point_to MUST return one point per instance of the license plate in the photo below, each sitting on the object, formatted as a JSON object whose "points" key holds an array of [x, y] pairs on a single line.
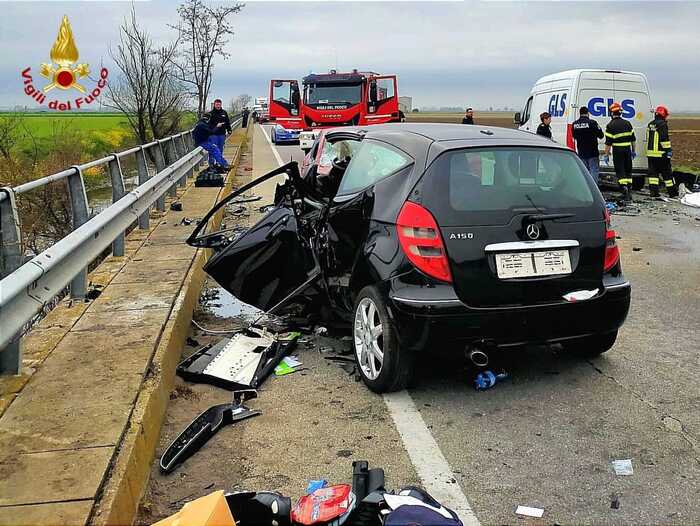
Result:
{"points": [[530, 264]]}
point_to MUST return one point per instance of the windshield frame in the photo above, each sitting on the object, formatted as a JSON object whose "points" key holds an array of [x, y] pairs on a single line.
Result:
{"points": [[316, 86]]}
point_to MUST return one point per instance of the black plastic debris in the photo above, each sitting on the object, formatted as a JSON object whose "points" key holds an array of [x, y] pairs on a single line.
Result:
{"points": [[206, 426], [176, 206], [243, 361], [209, 178]]}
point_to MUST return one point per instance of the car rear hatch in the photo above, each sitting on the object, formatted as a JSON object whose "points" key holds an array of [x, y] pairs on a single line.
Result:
{"points": [[521, 226]]}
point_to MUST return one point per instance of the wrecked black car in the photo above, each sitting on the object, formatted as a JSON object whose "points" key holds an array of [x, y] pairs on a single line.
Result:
{"points": [[491, 237]]}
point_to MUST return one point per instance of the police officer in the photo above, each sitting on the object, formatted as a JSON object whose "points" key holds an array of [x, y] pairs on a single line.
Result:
{"points": [[586, 133], [220, 124], [544, 128], [659, 154], [619, 136]]}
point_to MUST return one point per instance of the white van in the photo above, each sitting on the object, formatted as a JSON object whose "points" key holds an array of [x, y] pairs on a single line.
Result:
{"points": [[562, 94]]}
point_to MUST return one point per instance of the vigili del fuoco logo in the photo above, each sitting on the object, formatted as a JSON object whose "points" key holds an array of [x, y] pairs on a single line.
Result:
{"points": [[64, 74]]}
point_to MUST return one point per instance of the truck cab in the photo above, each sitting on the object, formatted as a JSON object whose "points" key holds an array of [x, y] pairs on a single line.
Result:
{"points": [[562, 94], [329, 99]]}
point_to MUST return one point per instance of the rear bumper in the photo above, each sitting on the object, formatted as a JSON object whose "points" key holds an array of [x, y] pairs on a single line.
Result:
{"points": [[423, 313]]}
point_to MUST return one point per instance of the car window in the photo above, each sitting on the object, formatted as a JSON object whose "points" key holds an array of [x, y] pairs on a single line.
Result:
{"points": [[478, 184], [371, 162], [337, 150]]}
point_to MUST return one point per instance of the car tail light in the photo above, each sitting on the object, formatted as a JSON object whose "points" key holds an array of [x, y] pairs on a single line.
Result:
{"points": [[421, 241], [612, 251], [570, 137]]}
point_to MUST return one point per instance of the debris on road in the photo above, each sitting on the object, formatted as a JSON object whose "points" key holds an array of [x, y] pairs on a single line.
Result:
{"points": [[528, 511], [623, 467], [364, 502], [176, 206], [209, 178], [316, 484], [320, 331], [691, 200], [288, 365], [334, 503], [615, 502], [204, 427], [487, 379], [244, 360]]}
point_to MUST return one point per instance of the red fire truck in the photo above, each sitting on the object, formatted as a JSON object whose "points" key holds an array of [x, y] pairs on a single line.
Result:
{"points": [[331, 99]]}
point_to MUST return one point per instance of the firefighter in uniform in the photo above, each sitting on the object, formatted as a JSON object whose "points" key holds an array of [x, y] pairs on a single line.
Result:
{"points": [[619, 136], [659, 154]]}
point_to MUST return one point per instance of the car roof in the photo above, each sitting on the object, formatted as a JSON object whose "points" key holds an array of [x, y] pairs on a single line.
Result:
{"points": [[417, 138], [443, 132]]}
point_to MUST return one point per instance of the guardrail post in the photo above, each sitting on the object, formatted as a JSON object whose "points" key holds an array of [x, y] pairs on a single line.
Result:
{"points": [[182, 151], [79, 207], [142, 167], [170, 158], [160, 166], [10, 260], [118, 191]]}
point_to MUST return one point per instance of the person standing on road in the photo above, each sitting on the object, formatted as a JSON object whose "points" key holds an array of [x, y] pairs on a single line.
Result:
{"points": [[468, 116], [543, 129], [586, 133], [619, 136], [202, 135], [244, 117], [219, 116], [659, 154]]}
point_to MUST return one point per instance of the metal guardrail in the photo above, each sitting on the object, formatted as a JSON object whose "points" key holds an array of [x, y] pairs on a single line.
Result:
{"points": [[25, 289]]}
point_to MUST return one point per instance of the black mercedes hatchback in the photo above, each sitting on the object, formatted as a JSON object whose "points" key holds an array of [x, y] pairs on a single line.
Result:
{"points": [[491, 237]]}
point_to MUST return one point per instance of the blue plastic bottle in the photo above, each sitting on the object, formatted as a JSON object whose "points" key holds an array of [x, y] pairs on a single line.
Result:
{"points": [[487, 379]]}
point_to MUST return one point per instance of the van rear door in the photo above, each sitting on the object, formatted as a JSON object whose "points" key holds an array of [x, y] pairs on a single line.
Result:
{"points": [[599, 89]]}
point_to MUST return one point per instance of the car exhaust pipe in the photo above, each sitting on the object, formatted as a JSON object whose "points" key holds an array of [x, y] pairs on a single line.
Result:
{"points": [[478, 357]]}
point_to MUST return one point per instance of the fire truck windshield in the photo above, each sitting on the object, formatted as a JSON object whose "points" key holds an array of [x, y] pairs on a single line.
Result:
{"points": [[319, 94]]}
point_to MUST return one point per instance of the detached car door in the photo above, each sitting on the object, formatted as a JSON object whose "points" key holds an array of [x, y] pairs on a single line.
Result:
{"points": [[271, 262]]}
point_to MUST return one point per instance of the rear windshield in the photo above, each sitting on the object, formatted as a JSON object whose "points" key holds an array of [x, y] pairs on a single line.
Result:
{"points": [[490, 186]]}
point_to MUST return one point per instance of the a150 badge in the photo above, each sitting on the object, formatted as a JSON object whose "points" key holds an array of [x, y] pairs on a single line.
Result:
{"points": [[64, 73]]}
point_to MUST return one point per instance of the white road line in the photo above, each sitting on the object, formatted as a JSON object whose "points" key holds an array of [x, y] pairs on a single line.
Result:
{"points": [[431, 465], [272, 146], [424, 452]]}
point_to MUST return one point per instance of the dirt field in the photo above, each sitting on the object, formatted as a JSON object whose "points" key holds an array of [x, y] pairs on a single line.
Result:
{"points": [[685, 132]]}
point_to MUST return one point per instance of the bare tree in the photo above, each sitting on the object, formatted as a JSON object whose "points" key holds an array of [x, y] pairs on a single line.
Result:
{"points": [[146, 92], [203, 33], [240, 102]]}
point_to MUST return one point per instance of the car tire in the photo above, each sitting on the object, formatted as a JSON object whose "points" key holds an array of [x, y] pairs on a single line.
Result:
{"points": [[393, 372], [592, 346]]}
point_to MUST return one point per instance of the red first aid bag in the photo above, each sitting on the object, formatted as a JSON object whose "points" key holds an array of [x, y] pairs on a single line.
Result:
{"points": [[331, 505]]}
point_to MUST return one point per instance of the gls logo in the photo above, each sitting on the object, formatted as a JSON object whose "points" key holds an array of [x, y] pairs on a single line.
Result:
{"points": [[598, 107], [557, 105]]}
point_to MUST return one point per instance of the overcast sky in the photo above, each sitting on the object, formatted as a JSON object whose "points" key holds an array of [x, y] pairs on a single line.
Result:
{"points": [[476, 53]]}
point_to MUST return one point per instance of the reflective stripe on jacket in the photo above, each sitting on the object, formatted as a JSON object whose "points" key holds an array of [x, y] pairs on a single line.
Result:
{"points": [[658, 140], [619, 133]]}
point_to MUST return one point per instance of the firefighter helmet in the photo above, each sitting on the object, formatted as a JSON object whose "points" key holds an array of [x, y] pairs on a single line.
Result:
{"points": [[615, 108], [661, 111]]}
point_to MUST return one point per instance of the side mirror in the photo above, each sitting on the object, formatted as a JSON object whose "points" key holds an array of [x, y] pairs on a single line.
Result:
{"points": [[516, 118]]}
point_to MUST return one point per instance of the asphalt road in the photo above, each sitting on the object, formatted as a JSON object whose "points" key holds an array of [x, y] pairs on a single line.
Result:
{"points": [[544, 438]]}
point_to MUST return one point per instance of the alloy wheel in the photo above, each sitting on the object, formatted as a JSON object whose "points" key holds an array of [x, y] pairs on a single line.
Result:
{"points": [[367, 337]]}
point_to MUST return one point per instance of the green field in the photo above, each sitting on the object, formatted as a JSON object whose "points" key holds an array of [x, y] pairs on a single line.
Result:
{"points": [[42, 124]]}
